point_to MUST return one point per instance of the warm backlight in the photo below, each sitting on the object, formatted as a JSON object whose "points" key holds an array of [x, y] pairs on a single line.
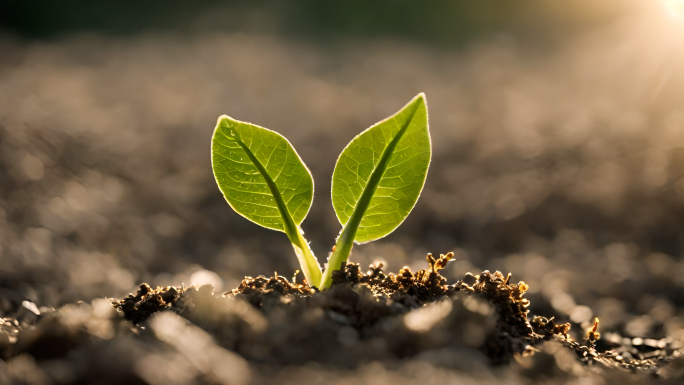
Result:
{"points": [[676, 7]]}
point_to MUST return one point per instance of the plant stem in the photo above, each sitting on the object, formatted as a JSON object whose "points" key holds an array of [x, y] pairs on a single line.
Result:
{"points": [[307, 260], [341, 252]]}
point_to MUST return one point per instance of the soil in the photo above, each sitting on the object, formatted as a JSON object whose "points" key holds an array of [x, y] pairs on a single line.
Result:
{"points": [[272, 324], [373, 304]]}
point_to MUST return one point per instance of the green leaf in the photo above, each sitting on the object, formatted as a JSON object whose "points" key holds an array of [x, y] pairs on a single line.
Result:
{"points": [[382, 172], [378, 179], [245, 159], [263, 179]]}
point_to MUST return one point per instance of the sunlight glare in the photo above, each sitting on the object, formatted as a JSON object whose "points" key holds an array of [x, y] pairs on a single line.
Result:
{"points": [[675, 7]]}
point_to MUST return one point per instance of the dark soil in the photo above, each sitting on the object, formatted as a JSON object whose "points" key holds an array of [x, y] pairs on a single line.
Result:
{"points": [[373, 316], [371, 321]]}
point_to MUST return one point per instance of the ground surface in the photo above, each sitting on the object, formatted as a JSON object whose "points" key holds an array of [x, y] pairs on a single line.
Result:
{"points": [[561, 163], [273, 329]]}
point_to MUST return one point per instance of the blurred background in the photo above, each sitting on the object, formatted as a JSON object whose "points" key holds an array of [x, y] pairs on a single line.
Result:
{"points": [[558, 133]]}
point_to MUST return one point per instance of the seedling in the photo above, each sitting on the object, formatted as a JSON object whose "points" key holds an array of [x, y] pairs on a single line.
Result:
{"points": [[376, 182]]}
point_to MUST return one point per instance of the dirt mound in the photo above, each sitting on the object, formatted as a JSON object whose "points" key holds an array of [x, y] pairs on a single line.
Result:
{"points": [[405, 313]]}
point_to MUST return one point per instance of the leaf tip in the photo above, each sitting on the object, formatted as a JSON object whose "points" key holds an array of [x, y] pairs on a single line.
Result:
{"points": [[221, 118], [226, 124], [417, 101]]}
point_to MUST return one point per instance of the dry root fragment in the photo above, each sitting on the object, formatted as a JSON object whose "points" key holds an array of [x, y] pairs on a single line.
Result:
{"points": [[441, 262], [593, 335]]}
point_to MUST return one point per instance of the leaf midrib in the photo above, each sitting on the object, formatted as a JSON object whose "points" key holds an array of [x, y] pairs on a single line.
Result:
{"points": [[378, 172]]}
